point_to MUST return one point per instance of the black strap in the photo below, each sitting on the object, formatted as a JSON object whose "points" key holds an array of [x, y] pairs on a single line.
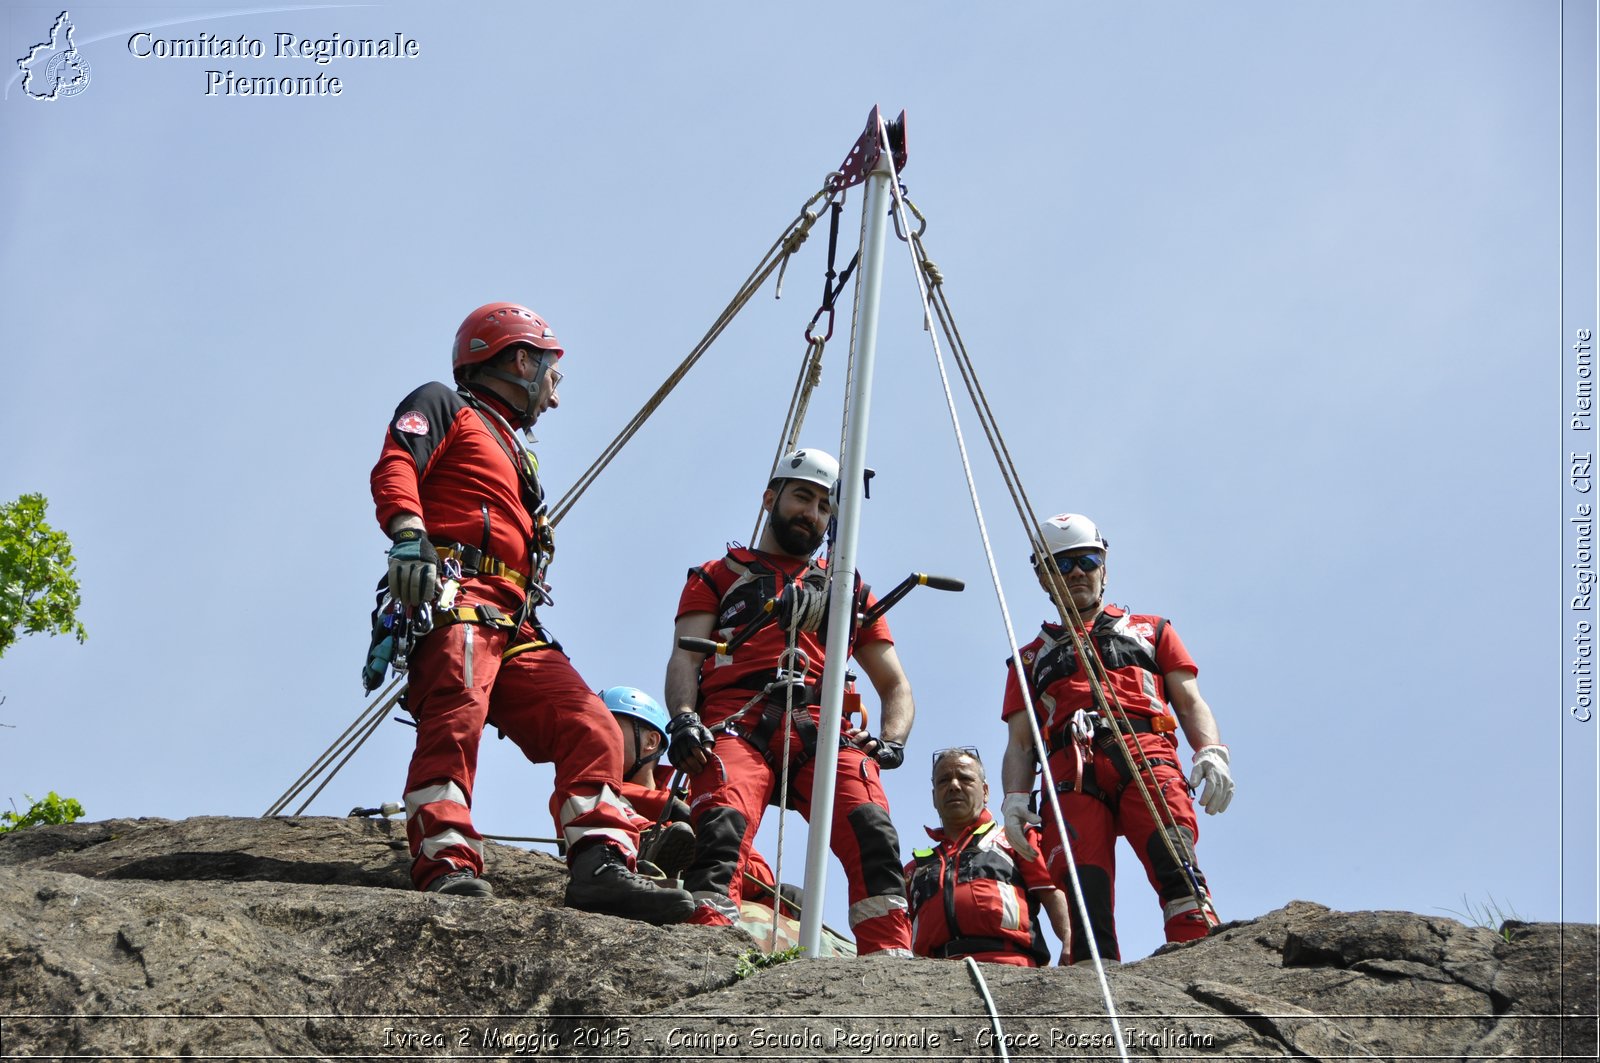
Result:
{"points": [[525, 475], [952, 867], [1139, 725], [706, 579], [765, 678], [962, 946]]}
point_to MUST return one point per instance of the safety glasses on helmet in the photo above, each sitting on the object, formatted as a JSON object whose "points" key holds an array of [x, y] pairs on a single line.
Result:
{"points": [[1088, 562]]}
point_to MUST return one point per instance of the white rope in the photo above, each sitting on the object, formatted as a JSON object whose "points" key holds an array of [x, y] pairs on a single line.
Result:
{"points": [[1011, 638], [791, 654], [988, 1003]]}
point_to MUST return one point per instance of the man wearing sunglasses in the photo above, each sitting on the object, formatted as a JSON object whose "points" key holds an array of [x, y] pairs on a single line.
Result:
{"points": [[1114, 756], [461, 500], [972, 894]]}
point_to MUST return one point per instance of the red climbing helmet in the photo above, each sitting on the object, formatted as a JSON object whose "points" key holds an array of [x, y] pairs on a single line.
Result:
{"points": [[493, 327]]}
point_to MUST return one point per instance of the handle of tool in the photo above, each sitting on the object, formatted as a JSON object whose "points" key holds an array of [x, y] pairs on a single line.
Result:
{"points": [[740, 637], [689, 642], [901, 589]]}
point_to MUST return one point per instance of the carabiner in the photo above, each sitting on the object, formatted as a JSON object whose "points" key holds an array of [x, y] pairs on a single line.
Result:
{"points": [[922, 222], [814, 319]]}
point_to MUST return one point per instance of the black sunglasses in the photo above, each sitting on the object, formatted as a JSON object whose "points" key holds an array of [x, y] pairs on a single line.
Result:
{"points": [[1087, 562]]}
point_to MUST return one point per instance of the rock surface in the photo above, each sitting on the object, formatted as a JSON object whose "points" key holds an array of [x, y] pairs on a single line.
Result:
{"points": [[239, 938]]}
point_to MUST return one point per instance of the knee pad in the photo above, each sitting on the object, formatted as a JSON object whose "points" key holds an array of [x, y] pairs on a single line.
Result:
{"points": [[719, 833], [1175, 883], [879, 846]]}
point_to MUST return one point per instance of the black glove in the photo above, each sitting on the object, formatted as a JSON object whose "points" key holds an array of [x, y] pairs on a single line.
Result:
{"points": [[413, 568], [889, 754], [801, 607], [685, 735], [677, 811]]}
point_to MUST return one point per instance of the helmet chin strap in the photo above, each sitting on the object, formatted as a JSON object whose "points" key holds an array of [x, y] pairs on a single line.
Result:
{"points": [[530, 411], [638, 743]]}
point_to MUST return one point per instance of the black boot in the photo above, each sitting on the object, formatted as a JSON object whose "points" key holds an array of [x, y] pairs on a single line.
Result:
{"points": [[669, 846], [601, 882]]}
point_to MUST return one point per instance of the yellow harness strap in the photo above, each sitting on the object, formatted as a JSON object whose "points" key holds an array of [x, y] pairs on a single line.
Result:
{"points": [[488, 566]]}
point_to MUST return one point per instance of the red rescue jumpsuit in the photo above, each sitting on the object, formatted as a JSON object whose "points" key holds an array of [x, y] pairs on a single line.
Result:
{"points": [[730, 795], [452, 466], [1100, 802]]}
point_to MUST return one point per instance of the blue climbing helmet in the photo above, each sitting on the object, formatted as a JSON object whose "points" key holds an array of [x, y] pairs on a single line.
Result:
{"points": [[643, 709], [631, 701]]}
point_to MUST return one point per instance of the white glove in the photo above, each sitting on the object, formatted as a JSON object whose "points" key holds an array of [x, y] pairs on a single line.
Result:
{"points": [[1211, 768], [1019, 817]]}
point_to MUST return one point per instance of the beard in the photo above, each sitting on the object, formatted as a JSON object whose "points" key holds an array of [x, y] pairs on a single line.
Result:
{"points": [[795, 540]]}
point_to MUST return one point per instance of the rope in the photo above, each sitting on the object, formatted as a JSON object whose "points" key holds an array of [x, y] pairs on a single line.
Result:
{"points": [[912, 245], [1103, 691], [777, 255], [358, 732], [789, 438], [519, 838], [783, 774], [1099, 681], [988, 1003]]}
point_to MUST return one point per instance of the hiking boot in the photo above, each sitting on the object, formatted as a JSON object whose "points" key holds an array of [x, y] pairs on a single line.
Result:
{"points": [[669, 846], [461, 883], [601, 882]]}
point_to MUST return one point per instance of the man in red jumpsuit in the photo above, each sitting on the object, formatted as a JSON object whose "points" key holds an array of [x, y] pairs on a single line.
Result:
{"points": [[1095, 770], [972, 894], [666, 839], [734, 773], [461, 499]]}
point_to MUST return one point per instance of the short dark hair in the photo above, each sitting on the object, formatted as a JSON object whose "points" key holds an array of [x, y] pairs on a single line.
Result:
{"points": [[502, 358]]}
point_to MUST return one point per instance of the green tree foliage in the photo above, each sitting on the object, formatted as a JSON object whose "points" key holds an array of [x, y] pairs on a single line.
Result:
{"points": [[51, 809], [38, 584]]}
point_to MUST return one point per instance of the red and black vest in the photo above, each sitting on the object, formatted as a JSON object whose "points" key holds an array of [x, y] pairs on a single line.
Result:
{"points": [[755, 581], [973, 900], [1125, 643]]}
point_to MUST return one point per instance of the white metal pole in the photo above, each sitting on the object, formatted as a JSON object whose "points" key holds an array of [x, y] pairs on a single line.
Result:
{"points": [[852, 483]]}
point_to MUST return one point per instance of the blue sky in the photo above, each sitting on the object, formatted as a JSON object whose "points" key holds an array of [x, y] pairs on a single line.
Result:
{"points": [[1273, 292]]}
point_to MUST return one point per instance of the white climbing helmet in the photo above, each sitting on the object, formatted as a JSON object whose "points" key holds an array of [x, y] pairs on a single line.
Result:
{"points": [[1070, 531], [812, 466]]}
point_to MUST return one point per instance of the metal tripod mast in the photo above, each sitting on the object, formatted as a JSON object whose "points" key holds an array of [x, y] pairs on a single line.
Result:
{"points": [[868, 156]]}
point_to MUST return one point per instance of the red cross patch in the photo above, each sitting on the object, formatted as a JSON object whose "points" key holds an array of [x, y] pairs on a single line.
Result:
{"points": [[412, 422]]}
